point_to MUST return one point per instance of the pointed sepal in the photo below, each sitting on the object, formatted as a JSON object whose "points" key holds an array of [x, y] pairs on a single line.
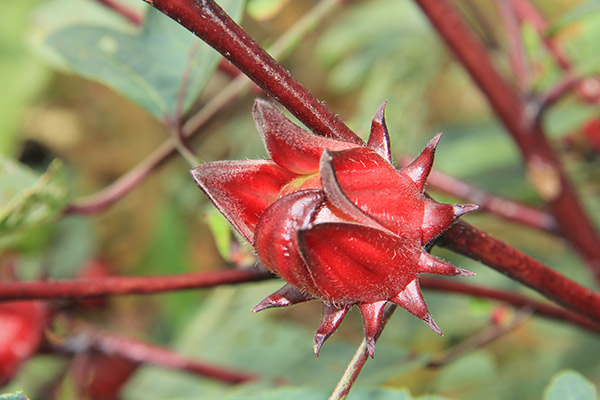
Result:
{"points": [[462, 209], [411, 299], [332, 317], [437, 217], [420, 168], [286, 296], [429, 264], [372, 314], [379, 138], [290, 146], [242, 190]]}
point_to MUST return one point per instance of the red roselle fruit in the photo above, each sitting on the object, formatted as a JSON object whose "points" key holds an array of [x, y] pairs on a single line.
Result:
{"points": [[335, 220], [22, 325]]}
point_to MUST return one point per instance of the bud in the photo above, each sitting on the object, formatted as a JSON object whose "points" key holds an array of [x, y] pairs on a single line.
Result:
{"points": [[335, 220]]}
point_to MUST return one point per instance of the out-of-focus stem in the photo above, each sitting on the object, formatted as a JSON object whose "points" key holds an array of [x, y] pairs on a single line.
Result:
{"points": [[516, 49], [500, 206], [543, 165], [124, 285], [514, 299], [90, 338]]}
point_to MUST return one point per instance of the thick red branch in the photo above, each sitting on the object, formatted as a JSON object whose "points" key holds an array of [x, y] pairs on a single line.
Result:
{"points": [[470, 241], [543, 165], [90, 288], [209, 22]]}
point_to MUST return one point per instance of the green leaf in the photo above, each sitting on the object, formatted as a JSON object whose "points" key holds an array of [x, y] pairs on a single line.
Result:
{"points": [[28, 200], [570, 385], [221, 230], [263, 10], [149, 67], [21, 76]]}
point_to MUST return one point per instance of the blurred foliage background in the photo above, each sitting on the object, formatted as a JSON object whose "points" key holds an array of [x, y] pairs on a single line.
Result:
{"points": [[85, 94]]}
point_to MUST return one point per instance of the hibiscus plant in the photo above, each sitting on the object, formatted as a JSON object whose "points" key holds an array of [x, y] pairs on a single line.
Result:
{"points": [[336, 219]]}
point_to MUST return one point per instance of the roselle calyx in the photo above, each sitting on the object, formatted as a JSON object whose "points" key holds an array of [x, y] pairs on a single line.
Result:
{"points": [[336, 220]]}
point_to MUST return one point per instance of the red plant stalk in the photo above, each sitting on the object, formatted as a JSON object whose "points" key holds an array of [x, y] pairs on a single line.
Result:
{"points": [[90, 288], [210, 23], [500, 206], [544, 167], [588, 89], [117, 286], [143, 352], [514, 299]]}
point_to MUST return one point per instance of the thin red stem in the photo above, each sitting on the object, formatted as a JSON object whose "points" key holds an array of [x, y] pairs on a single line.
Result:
{"points": [[544, 167], [526, 11], [143, 352], [516, 50], [588, 88], [514, 299], [209, 22], [470, 241], [359, 360], [92, 288], [500, 206]]}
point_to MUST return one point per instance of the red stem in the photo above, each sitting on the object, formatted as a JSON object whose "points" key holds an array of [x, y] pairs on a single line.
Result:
{"points": [[515, 300], [209, 22], [143, 352], [542, 162], [470, 241], [91, 288], [516, 49], [502, 207]]}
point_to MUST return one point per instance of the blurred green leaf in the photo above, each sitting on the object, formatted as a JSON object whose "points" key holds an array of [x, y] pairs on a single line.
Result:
{"points": [[28, 200], [221, 230], [393, 59], [578, 33], [570, 385], [150, 67], [262, 10], [21, 75]]}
